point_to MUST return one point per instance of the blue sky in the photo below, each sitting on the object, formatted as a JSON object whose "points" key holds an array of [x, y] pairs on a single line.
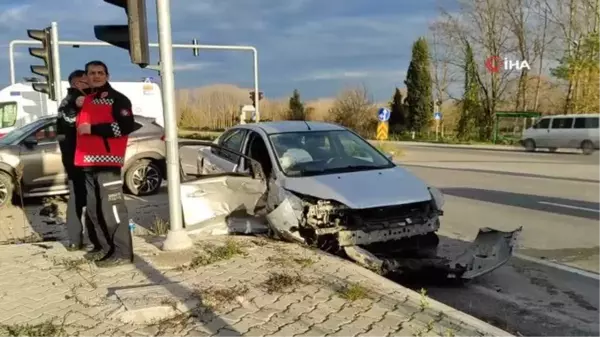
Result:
{"points": [[317, 46]]}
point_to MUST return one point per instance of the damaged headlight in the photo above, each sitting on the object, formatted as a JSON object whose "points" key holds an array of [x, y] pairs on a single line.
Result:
{"points": [[437, 196]]}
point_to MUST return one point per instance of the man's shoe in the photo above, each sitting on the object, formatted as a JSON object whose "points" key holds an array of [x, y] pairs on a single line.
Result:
{"points": [[95, 250], [72, 247], [94, 255], [112, 262]]}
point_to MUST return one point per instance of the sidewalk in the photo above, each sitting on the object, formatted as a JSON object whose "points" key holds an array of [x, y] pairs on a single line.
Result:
{"points": [[228, 286]]}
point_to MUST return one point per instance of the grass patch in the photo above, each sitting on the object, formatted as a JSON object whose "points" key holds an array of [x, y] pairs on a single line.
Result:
{"points": [[277, 282], [288, 261], [218, 296], [159, 226], [71, 264], [213, 254], [423, 300], [353, 292], [47, 328]]}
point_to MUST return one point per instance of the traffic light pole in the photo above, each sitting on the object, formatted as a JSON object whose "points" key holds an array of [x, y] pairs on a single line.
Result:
{"points": [[177, 237], [56, 63], [12, 44]]}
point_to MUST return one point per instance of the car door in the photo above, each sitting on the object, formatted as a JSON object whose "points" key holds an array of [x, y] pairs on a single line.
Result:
{"points": [[216, 160], [560, 132], [539, 132], [42, 163]]}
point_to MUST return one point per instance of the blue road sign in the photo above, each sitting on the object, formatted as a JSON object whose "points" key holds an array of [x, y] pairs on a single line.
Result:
{"points": [[437, 115], [384, 114]]}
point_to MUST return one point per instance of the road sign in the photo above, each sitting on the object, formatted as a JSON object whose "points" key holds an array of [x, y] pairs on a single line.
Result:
{"points": [[384, 115], [382, 131], [437, 115]]}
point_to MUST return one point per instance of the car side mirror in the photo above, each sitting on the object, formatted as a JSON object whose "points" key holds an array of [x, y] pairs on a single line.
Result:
{"points": [[389, 155], [30, 142]]}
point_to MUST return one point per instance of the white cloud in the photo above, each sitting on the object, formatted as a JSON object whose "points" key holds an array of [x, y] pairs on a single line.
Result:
{"points": [[327, 75], [191, 66]]}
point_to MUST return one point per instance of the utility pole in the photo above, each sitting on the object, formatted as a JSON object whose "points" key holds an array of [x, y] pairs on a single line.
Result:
{"points": [[177, 237]]}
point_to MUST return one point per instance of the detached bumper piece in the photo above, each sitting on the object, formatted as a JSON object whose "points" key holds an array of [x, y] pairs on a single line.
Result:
{"points": [[490, 250]]}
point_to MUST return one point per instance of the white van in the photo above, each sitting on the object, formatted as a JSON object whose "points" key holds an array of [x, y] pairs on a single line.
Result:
{"points": [[21, 105], [563, 131]]}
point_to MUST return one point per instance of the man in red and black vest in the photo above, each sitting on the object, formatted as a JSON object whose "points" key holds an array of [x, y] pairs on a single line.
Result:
{"points": [[103, 126]]}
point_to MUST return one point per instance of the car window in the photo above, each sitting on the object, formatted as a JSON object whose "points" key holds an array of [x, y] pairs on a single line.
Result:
{"points": [[232, 140], [562, 123], [544, 123], [46, 134], [586, 123], [8, 114], [325, 152], [257, 150]]}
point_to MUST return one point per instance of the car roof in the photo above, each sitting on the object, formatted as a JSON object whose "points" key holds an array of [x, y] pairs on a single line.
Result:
{"points": [[290, 126]]}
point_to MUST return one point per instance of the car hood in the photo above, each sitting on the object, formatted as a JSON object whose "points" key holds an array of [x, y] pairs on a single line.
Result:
{"points": [[363, 189]]}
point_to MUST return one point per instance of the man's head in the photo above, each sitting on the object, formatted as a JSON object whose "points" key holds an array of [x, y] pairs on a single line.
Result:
{"points": [[97, 73], [78, 80]]}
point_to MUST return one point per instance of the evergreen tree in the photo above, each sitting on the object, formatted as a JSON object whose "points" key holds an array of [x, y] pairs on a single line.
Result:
{"points": [[296, 111], [470, 107], [418, 85], [398, 112]]}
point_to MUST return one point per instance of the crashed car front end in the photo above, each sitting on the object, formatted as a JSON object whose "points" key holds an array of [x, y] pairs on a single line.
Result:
{"points": [[392, 239]]}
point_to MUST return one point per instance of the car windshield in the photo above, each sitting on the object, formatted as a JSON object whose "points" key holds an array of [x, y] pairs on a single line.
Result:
{"points": [[325, 152], [16, 134]]}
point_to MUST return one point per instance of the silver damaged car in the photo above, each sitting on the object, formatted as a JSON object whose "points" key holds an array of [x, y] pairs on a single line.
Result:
{"points": [[323, 185]]}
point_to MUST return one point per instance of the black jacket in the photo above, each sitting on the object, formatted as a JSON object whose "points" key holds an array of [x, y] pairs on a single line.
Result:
{"points": [[65, 126]]}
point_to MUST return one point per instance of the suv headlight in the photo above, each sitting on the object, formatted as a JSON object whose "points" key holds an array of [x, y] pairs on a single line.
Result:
{"points": [[437, 196]]}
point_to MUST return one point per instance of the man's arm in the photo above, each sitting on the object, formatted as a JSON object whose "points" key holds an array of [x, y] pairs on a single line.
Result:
{"points": [[67, 112], [123, 120]]}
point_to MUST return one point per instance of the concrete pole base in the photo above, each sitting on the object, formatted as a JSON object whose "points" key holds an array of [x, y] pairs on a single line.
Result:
{"points": [[177, 240]]}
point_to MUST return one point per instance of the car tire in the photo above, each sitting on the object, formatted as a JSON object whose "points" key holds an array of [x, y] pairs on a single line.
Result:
{"points": [[529, 145], [7, 189], [144, 177], [587, 147]]}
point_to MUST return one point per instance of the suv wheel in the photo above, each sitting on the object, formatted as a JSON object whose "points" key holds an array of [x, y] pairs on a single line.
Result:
{"points": [[6, 189], [144, 177], [529, 145], [587, 147]]}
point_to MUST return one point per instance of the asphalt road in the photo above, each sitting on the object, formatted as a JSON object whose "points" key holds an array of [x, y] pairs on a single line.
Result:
{"points": [[555, 198]]}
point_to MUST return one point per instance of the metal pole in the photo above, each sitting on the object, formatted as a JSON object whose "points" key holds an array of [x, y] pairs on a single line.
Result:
{"points": [[56, 62], [177, 237], [154, 45], [257, 100]]}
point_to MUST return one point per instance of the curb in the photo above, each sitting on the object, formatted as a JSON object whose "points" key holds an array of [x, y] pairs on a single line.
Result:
{"points": [[452, 313]]}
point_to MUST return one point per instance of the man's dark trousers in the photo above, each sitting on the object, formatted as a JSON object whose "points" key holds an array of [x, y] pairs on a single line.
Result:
{"points": [[107, 211], [75, 205]]}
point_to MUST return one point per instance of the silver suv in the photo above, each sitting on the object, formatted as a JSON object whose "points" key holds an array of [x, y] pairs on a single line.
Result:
{"points": [[30, 160]]}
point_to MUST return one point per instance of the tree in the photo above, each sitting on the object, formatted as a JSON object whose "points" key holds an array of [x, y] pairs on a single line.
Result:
{"points": [[296, 110], [397, 120], [354, 108], [418, 88], [470, 114]]}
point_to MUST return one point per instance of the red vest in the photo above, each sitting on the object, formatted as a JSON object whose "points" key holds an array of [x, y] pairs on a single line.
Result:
{"points": [[93, 150]]}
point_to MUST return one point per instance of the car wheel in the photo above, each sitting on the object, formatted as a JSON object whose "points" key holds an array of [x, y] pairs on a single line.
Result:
{"points": [[587, 147], [6, 189], [144, 177], [529, 145]]}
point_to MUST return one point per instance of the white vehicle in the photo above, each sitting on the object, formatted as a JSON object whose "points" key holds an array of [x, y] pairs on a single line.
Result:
{"points": [[563, 131], [21, 105]]}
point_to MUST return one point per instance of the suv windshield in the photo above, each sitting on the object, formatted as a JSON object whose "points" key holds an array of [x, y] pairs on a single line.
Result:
{"points": [[325, 152], [17, 134]]}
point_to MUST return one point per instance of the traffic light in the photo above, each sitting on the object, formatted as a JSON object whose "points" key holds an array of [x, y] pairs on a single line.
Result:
{"points": [[133, 36], [44, 53], [253, 97]]}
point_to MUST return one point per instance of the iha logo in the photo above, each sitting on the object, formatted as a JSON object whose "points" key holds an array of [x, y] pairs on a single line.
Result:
{"points": [[495, 63]]}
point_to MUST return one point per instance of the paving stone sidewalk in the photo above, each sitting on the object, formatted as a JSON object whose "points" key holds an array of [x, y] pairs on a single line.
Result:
{"points": [[229, 286]]}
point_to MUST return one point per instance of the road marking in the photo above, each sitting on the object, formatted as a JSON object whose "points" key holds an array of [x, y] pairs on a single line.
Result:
{"points": [[136, 198], [558, 266], [569, 206]]}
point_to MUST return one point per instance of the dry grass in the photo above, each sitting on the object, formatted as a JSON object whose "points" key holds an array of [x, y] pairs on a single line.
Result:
{"points": [[353, 292], [159, 226], [278, 282], [213, 254]]}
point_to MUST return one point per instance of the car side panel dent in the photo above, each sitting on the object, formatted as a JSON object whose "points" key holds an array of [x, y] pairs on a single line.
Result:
{"points": [[223, 204], [284, 220]]}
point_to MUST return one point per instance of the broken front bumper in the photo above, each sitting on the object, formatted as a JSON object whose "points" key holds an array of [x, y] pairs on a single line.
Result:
{"points": [[490, 250]]}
